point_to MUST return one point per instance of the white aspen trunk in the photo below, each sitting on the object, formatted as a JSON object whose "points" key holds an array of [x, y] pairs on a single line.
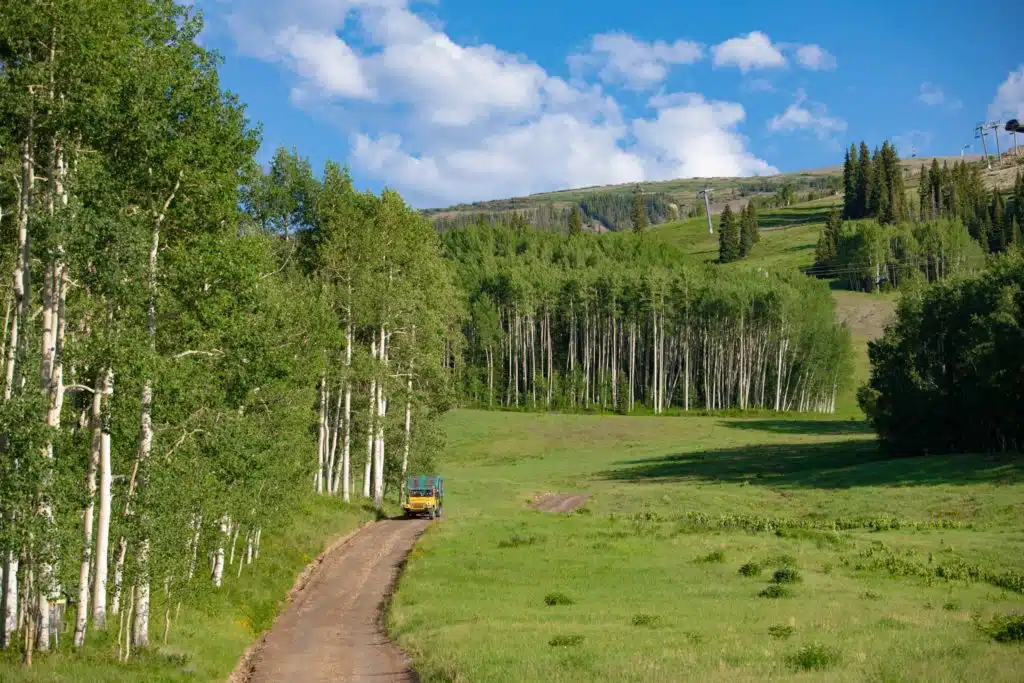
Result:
{"points": [[778, 373], [346, 448], [371, 411], [140, 624], [318, 480], [218, 559], [248, 548], [21, 270], [408, 434], [256, 550], [99, 586], [234, 542], [378, 471], [332, 483], [122, 549], [10, 600], [82, 609], [197, 524], [686, 370]]}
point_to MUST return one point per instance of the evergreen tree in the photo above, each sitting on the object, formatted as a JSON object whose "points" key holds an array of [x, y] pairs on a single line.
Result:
{"points": [[850, 169], [749, 229], [728, 237], [638, 217], [575, 221], [864, 177], [895, 186]]}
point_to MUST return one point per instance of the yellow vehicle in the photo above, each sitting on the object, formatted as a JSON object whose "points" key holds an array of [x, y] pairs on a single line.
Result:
{"points": [[424, 495]]}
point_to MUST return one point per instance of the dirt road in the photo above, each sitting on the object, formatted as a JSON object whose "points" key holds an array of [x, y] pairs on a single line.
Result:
{"points": [[560, 502], [333, 629]]}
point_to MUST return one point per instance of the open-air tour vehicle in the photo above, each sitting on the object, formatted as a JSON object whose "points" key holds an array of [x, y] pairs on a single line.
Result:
{"points": [[424, 495]]}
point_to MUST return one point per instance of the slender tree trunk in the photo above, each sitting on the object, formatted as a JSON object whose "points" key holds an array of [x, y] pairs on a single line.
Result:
{"points": [[321, 440], [346, 449], [408, 435], [332, 484], [82, 609], [371, 411], [218, 560], [378, 474], [197, 525], [99, 587]]}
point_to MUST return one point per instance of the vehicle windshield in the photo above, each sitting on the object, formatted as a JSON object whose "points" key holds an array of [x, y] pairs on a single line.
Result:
{"points": [[420, 493]]}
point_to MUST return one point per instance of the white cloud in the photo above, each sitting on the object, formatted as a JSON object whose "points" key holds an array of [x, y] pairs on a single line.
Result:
{"points": [[621, 59], [815, 58], [1009, 100], [752, 51], [809, 116], [444, 122], [324, 62], [934, 96], [691, 137], [931, 94]]}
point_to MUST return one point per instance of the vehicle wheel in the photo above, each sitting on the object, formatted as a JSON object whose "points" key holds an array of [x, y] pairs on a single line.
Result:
{"points": [[440, 511]]}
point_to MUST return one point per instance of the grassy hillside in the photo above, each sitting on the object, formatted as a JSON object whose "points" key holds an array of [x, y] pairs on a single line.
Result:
{"points": [[683, 191], [896, 563]]}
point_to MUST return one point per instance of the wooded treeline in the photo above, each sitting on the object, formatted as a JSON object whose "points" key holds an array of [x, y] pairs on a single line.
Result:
{"points": [[612, 210], [948, 374], [883, 240], [614, 323], [179, 370]]}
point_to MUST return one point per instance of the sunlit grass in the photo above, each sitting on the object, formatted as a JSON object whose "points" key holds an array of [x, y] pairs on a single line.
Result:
{"points": [[668, 494]]}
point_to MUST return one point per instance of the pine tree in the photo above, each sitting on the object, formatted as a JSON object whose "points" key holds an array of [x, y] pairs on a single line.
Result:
{"points": [[863, 181], [850, 169], [728, 237], [895, 187], [639, 214], [924, 192], [749, 231], [575, 221]]}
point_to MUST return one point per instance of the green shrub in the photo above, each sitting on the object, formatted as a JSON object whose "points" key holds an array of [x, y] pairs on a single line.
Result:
{"points": [[781, 632], [814, 657], [1008, 628], [750, 569], [568, 640], [648, 620], [786, 575], [952, 606], [776, 591], [716, 556], [553, 599], [869, 595]]}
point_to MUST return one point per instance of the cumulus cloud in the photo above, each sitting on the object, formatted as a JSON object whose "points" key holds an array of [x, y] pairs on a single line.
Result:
{"points": [[621, 59], [445, 122], [815, 58], [1009, 99], [934, 96], [752, 51], [804, 115]]}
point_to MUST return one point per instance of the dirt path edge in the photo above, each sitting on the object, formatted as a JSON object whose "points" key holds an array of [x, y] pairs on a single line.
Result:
{"points": [[243, 670]]}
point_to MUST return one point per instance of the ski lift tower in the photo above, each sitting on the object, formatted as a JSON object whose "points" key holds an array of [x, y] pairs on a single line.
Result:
{"points": [[707, 207]]}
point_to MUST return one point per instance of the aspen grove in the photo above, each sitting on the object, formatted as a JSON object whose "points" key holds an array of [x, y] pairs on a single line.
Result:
{"points": [[190, 344], [613, 323]]}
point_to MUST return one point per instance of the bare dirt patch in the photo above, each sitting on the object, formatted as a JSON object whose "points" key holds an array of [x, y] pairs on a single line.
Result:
{"points": [[559, 502], [333, 628], [865, 314]]}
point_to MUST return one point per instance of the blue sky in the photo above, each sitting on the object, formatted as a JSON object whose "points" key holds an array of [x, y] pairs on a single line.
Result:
{"points": [[461, 100]]}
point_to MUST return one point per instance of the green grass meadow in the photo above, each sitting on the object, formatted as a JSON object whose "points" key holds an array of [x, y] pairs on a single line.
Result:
{"points": [[208, 639], [899, 564]]}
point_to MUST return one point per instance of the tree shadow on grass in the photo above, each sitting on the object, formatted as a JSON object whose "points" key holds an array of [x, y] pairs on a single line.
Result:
{"points": [[841, 465], [815, 427]]}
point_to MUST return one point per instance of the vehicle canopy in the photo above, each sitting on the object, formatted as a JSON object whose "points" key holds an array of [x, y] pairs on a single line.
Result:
{"points": [[425, 482]]}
